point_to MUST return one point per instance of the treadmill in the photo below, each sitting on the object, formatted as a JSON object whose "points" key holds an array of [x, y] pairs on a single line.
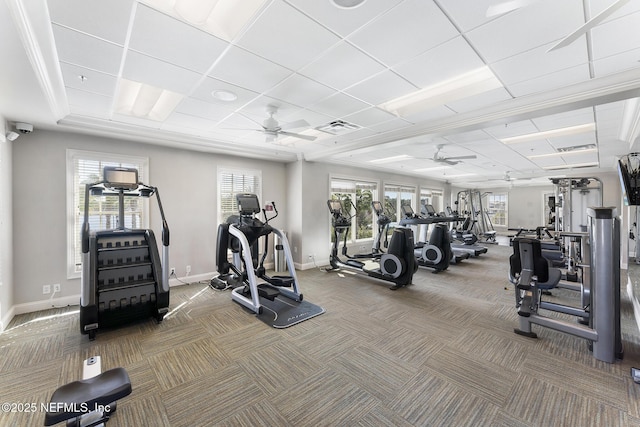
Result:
{"points": [[472, 249]]}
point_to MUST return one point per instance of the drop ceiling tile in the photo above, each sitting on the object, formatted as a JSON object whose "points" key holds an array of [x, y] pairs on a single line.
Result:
{"points": [[160, 36], [522, 127], [574, 140], [88, 104], [551, 81], [343, 21], [538, 62], [300, 90], [87, 51], [617, 63], [467, 15], [404, 32], [314, 119], [209, 85], [94, 81], [276, 36], [477, 102], [258, 108], [179, 122], [597, 6], [450, 59], [380, 88], [238, 67], [617, 36], [207, 110], [369, 117], [353, 67], [529, 27], [165, 75], [433, 113], [107, 20], [339, 105], [390, 125], [561, 120]]}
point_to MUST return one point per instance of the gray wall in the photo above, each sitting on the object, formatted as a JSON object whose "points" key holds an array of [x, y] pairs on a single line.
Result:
{"points": [[188, 185], [6, 231]]}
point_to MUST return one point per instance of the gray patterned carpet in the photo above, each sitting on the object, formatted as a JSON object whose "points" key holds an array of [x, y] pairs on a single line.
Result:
{"points": [[441, 352]]}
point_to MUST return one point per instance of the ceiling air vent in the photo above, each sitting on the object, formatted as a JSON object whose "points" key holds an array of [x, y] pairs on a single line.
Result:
{"points": [[338, 127]]}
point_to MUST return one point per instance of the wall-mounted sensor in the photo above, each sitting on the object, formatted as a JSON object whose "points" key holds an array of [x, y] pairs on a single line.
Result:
{"points": [[12, 136]]}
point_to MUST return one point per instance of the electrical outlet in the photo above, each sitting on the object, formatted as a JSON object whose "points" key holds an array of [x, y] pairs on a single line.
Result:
{"points": [[46, 289], [56, 287], [188, 269], [172, 272]]}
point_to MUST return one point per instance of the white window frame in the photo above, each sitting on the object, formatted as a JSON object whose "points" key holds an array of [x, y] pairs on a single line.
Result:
{"points": [[431, 194], [492, 212], [256, 174], [375, 194], [74, 216], [402, 189]]}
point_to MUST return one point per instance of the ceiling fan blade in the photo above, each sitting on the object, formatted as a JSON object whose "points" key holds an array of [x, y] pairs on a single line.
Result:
{"points": [[506, 6], [447, 161], [596, 20], [472, 156], [298, 135], [297, 124]]}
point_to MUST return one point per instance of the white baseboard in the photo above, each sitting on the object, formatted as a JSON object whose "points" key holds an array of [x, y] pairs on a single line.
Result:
{"points": [[179, 281], [4, 322], [30, 307]]}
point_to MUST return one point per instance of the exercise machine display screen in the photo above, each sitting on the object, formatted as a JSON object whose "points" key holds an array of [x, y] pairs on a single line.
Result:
{"points": [[117, 177], [377, 206], [335, 206], [430, 209], [248, 204]]}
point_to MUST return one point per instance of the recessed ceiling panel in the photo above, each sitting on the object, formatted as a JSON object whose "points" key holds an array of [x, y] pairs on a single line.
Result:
{"points": [[382, 87], [344, 21], [277, 36], [616, 63], [205, 92], [551, 81], [88, 80], [526, 28], [300, 90], [88, 104], [369, 117], [616, 36], [450, 59], [405, 32], [238, 67], [154, 34], [207, 110], [342, 66], [74, 47], [339, 105], [107, 20], [145, 69], [479, 101]]}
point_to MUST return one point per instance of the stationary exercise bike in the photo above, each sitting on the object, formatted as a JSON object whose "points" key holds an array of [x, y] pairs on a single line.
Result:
{"points": [[90, 401], [397, 265]]}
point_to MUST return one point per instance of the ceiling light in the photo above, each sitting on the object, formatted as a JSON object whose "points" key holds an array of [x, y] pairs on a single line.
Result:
{"points": [[462, 86], [630, 125], [12, 136], [347, 4], [391, 159], [590, 148], [224, 95], [571, 130], [222, 18], [146, 101], [571, 166]]}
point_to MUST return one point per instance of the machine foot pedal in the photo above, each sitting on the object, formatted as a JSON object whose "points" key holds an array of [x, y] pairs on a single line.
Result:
{"points": [[266, 291]]}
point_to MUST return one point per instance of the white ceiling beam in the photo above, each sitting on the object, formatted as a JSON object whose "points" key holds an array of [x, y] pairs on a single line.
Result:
{"points": [[603, 90]]}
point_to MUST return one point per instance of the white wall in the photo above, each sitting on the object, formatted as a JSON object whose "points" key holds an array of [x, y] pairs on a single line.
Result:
{"points": [[6, 230], [187, 181]]}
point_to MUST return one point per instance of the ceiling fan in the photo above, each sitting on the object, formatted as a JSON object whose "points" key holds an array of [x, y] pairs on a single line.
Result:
{"points": [[439, 158], [503, 7], [272, 129]]}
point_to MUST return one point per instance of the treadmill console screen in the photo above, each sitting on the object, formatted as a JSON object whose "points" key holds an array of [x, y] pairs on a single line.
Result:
{"points": [[248, 204], [121, 178]]}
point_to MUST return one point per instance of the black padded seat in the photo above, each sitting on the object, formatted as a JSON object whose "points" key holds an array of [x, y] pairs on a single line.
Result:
{"points": [[548, 277], [101, 390]]}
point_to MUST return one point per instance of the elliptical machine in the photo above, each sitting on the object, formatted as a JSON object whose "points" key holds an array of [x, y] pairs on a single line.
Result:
{"points": [[122, 276], [278, 300], [436, 253], [397, 265]]}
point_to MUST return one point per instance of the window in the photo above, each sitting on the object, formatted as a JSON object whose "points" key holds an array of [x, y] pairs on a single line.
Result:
{"points": [[497, 208], [361, 194], [85, 167], [232, 182], [396, 196], [432, 197]]}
